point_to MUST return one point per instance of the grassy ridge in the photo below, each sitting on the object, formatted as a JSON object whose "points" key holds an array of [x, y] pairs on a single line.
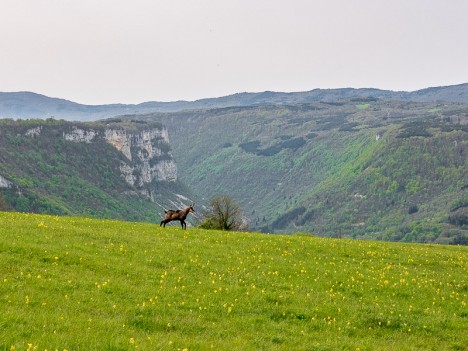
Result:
{"points": [[82, 284]]}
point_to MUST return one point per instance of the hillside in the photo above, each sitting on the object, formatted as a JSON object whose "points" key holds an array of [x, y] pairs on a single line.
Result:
{"points": [[111, 170], [31, 105], [362, 168], [360, 163], [71, 283]]}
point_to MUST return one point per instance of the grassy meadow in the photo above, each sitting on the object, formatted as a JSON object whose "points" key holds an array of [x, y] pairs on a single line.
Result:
{"points": [[84, 284]]}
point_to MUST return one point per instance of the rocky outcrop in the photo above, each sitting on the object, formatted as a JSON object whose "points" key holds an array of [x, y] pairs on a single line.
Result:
{"points": [[80, 135], [120, 140], [4, 183], [33, 132], [148, 156]]}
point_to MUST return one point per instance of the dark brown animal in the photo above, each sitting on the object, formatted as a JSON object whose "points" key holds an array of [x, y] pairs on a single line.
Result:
{"points": [[178, 215]]}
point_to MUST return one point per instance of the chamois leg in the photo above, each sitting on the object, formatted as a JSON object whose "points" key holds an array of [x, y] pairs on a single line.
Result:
{"points": [[163, 223], [182, 223]]}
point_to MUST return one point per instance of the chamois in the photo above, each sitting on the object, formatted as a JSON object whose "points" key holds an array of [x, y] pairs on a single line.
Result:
{"points": [[179, 215]]}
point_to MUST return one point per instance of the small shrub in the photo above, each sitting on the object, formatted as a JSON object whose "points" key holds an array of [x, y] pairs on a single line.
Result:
{"points": [[413, 209], [4, 206]]}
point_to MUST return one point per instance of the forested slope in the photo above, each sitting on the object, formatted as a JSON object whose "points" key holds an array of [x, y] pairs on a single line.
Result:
{"points": [[67, 168], [361, 167]]}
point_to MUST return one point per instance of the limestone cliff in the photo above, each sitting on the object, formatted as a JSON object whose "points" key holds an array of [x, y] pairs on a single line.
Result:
{"points": [[115, 168], [148, 156], [4, 183]]}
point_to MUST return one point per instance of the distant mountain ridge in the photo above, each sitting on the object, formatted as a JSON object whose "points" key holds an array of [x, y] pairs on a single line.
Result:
{"points": [[32, 105]]}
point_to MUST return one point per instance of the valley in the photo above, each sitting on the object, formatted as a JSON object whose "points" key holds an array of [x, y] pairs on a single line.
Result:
{"points": [[352, 163], [350, 168]]}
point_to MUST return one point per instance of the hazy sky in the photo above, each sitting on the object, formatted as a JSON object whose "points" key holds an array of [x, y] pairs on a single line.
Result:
{"points": [[107, 51]]}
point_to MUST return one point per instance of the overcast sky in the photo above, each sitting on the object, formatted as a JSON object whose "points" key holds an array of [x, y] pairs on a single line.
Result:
{"points": [[109, 51]]}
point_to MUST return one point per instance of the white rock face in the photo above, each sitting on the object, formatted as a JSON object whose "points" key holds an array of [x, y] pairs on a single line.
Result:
{"points": [[166, 171], [33, 131], [120, 140], [127, 172], [80, 135], [4, 183], [148, 153]]}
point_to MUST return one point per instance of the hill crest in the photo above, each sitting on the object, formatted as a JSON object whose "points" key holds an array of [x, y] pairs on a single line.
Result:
{"points": [[32, 105]]}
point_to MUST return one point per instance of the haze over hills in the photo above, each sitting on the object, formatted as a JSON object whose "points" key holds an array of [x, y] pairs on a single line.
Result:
{"points": [[31, 105], [361, 163]]}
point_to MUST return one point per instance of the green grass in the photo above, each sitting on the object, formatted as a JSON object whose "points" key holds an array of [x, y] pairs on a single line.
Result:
{"points": [[81, 284], [362, 106]]}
